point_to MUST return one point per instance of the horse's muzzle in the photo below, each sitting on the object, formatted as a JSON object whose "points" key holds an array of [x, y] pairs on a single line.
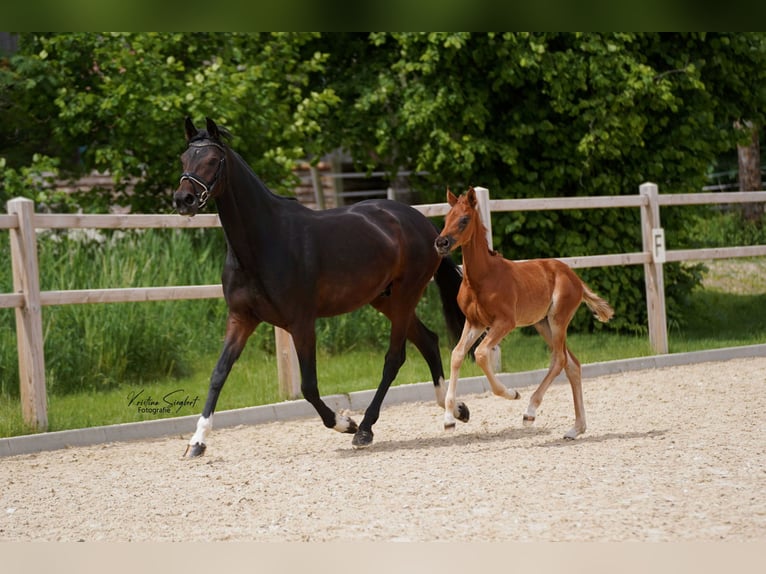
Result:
{"points": [[443, 245], [186, 202]]}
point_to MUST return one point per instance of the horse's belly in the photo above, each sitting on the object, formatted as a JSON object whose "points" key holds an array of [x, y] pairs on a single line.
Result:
{"points": [[346, 296]]}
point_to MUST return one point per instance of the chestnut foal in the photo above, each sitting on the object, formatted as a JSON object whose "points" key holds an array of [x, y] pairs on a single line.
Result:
{"points": [[497, 295]]}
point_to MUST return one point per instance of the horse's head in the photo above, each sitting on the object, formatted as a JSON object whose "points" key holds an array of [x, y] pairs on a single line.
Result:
{"points": [[203, 163], [460, 223]]}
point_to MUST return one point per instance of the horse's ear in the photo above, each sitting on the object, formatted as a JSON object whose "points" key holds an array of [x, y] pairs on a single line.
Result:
{"points": [[471, 196], [451, 198], [191, 131], [212, 129]]}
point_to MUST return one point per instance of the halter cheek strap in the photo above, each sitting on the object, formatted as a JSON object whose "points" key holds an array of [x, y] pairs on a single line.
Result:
{"points": [[207, 188]]}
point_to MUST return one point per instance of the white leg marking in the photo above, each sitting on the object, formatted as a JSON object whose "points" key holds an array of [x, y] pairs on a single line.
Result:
{"points": [[342, 422], [529, 417], [204, 426], [574, 432]]}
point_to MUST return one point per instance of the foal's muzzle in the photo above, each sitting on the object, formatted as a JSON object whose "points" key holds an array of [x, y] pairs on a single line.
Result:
{"points": [[443, 244]]}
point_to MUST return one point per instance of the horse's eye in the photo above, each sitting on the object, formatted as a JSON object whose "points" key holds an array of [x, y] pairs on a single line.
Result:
{"points": [[463, 222]]}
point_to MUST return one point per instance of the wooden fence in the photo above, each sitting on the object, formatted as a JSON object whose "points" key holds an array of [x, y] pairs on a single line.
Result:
{"points": [[28, 299]]}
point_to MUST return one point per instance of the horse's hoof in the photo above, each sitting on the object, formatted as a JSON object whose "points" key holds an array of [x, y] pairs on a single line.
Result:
{"points": [[352, 427], [362, 439], [449, 426], [463, 414], [528, 420], [194, 450]]}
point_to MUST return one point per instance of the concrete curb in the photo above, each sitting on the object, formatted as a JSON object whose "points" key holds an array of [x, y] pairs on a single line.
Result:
{"points": [[356, 401]]}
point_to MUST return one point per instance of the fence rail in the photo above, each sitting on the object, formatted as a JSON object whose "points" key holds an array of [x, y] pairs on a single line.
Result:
{"points": [[28, 299]]}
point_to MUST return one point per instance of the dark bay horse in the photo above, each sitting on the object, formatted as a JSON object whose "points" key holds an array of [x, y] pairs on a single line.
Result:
{"points": [[497, 295], [287, 265]]}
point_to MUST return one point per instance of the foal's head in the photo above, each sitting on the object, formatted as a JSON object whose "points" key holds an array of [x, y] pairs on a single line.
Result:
{"points": [[460, 224], [203, 163]]}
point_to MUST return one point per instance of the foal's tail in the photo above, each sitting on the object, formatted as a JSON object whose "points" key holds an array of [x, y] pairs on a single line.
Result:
{"points": [[601, 309], [448, 278]]}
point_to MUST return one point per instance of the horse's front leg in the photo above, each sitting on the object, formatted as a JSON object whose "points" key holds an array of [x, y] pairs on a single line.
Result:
{"points": [[305, 348], [469, 336], [238, 330]]}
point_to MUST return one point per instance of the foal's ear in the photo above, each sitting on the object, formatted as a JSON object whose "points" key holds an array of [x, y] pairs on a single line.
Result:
{"points": [[451, 198], [471, 196], [212, 129], [191, 131]]}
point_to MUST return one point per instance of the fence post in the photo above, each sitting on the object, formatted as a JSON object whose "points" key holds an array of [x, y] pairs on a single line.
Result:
{"points": [[482, 197], [316, 183], [29, 324], [288, 368], [653, 239]]}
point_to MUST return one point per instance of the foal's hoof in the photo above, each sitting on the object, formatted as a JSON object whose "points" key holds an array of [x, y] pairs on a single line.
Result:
{"points": [[573, 433], [449, 427], [194, 450], [362, 439], [528, 420], [463, 414]]}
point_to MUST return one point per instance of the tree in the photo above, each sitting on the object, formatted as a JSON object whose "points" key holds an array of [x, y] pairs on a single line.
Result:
{"points": [[540, 114], [116, 103], [524, 114]]}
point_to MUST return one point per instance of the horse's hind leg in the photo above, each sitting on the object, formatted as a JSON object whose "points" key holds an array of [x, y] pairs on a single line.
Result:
{"points": [[305, 347], [427, 343], [238, 330], [395, 357]]}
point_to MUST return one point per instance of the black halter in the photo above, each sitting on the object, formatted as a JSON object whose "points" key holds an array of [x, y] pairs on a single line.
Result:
{"points": [[207, 188]]}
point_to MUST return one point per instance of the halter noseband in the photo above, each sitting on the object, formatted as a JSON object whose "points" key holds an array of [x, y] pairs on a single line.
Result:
{"points": [[207, 188]]}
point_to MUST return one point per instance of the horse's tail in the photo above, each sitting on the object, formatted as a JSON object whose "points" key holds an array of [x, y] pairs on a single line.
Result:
{"points": [[600, 308], [448, 278]]}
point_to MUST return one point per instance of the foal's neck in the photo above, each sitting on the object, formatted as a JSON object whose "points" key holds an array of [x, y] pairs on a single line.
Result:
{"points": [[476, 252]]}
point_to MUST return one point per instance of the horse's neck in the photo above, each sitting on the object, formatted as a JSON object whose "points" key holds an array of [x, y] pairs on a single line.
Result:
{"points": [[248, 216], [477, 257]]}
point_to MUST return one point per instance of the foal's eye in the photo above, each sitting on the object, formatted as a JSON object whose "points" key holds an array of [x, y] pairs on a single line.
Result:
{"points": [[463, 222]]}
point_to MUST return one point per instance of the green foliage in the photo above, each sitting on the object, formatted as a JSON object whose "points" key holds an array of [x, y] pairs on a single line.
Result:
{"points": [[523, 114], [115, 103], [555, 114]]}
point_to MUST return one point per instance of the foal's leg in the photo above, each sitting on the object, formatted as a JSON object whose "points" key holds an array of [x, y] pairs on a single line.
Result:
{"points": [[561, 358], [544, 328], [427, 343], [574, 374], [467, 339], [238, 330], [496, 333]]}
